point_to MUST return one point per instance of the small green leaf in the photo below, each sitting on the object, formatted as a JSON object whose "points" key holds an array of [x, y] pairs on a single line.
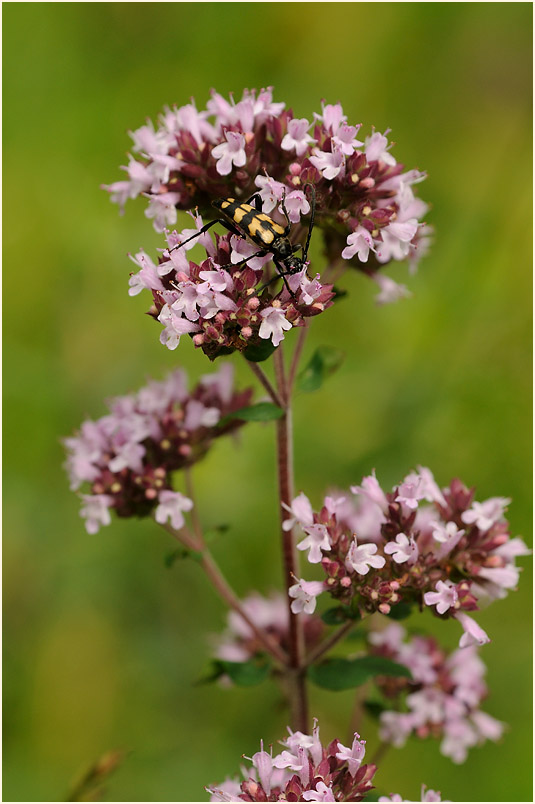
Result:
{"points": [[181, 553], [261, 412], [343, 674], [244, 674], [212, 534], [323, 363], [400, 611], [337, 616], [374, 708], [257, 353]]}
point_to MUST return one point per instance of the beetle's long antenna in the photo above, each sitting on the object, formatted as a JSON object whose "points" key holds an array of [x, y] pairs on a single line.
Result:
{"points": [[311, 224]]}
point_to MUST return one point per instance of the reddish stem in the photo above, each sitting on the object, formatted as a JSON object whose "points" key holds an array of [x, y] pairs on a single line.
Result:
{"points": [[296, 671]]}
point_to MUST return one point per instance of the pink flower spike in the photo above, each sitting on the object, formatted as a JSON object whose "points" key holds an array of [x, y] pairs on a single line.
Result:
{"points": [[473, 633], [305, 594], [444, 598], [403, 549], [229, 153], [361, 557], [171, 507]]}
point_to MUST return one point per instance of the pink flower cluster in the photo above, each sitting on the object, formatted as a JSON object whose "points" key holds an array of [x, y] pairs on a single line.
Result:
{"points": [[417, 544], [221, 302], [128, 456], [425, 795], [441, 700], [304, 771], [366, 204], [239, 643]]}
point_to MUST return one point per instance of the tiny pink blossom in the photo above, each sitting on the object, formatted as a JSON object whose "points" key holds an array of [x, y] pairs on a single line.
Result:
{"points": [[229, 153], [410, 492], [297, 138], [354, 755], [345, 139], [403, 549], [296, 205], [330, 164], [391, 291], [377, 149], [444, 598], [305, 594], [370, 488], [321, 793], [317, 540], [359, 242], [96, 511], [301, 511], [163, 209], [273, 325], [271, 192], [361, 557], [486, 514], [171, 506], [473, 633]]}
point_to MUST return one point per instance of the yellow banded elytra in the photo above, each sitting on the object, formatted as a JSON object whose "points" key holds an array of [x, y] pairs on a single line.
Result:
{"points": [[247, 220]]}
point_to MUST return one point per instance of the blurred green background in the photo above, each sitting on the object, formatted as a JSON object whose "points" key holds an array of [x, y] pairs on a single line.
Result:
{"points": [[102, 643]]}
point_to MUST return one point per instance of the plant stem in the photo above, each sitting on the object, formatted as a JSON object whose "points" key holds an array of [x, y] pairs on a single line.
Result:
{"points": [[224, 590], [296, 672], [264, 380], [328, 643], [303, 332]]}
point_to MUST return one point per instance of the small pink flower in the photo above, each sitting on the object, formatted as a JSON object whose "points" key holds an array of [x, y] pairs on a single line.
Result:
{"points": [[403, 549], [321, 793], [297, 139], [229, 153], [354, 755], [361, 558], [391, 291], [473, 633], [345, 139], [296, 205], [330, 164], [96, 511], [484, 515], [444, 598], [359, 242], [171, 506], [301, 511], [305, 594], [370, 488], [317, 540], [377, 149], [273, 325]]}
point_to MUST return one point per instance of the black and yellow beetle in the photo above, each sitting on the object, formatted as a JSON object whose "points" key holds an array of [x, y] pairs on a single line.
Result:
{"points": [[249, 222]]}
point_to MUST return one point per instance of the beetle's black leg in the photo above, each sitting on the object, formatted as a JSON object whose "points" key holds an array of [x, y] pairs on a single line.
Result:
{"points": [[312, 216], [200, 232], [257, 199], [261, 253]]}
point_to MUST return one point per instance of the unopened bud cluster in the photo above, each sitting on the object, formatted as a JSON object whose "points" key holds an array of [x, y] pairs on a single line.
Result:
{"points": [[441, 699], [127, 457], [415, 545]]}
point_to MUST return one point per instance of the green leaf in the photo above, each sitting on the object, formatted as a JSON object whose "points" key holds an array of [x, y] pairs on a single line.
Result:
{"points": [[337, 616], [212, 534], [374, 708], [323, 363], [261, 412], [244, 674], [257, 353], [180, 553], [344, 674], [400, 611]]}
